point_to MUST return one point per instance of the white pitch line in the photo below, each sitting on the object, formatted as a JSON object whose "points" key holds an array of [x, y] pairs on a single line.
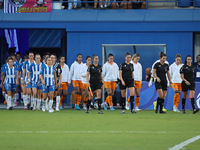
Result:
{"points": [[185, 143], [56, 132]]}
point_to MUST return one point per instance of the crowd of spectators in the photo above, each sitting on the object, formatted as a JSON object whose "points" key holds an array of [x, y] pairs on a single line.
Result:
{"points": [[100, 4]]}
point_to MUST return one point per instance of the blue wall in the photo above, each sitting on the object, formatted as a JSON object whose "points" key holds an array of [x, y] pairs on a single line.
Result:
{"points": [[89, 43]]}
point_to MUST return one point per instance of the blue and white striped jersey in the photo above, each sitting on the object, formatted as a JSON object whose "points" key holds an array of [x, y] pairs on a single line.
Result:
{"points": [[16, 65], [35, 70], [26, 67], [48, 75], [21, 69], [3, 67], [11, 75]]}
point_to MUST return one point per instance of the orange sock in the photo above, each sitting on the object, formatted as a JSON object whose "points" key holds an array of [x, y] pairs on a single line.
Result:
{"points": [[85, 100], [177, 100], [110, 100], [137, 101], [79, 100], [107, 100], [129, 99], [176, 96], [61, 99]]}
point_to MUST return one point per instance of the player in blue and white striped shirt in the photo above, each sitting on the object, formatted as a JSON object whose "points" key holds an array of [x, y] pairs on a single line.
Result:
{"points": [[49, 81], [34, 73], [10, 76], [25, 80], [23, 89], [3, 67]]}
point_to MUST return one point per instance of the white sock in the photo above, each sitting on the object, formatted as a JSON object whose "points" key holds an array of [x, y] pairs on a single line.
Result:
{"points": [[47, 101], [17, 96], [25, 101], [50, 104], [31, 101], [9, 101], [28, 99], [38, 103], [57, 101], [34, 102], [22, 95], [4, 94], [44, 102], [12, 100]]}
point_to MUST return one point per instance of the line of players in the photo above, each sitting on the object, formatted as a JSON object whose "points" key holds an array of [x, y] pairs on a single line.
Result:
{"points": [[51, 79]]}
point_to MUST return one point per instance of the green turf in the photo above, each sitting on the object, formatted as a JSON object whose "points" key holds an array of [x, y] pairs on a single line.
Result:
{"points": [[144, 130]]}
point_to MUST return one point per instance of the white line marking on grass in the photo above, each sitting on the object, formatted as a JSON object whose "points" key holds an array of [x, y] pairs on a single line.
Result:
{"points": [[142, 132], [185, 143]]}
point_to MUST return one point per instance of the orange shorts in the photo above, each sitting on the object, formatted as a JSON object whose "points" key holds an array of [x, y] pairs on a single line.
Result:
{"points": [[138, 84], [77, 84], [64, 86], [109, 84], [176, 86], [84, 86]]}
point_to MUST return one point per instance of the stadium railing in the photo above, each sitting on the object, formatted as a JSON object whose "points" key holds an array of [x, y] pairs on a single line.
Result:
{"points": [[150, 4]]}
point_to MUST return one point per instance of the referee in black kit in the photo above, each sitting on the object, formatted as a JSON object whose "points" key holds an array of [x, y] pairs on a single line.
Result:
{"points": [[159, 72], [127, 81], [187, 75], [95, 82]]}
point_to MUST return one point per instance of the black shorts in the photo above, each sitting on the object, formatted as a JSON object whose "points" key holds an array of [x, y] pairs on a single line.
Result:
{"points": [[95, 86], [128, 84], [161, 85], [186, 87]]}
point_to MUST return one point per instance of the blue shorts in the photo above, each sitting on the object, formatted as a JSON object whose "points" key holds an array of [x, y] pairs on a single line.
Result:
{"points": [[34, 85], [47, 89], [10, 87], [28, 85]]}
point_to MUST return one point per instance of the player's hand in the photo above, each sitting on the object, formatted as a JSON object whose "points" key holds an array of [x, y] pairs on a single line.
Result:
{"points": [[28, 82], [43, 82], [123, 83], [17, 82], [38, 84], [69, 84], [188, 83], [56, 86], [88, 84], [59, 84], [158, 79]]}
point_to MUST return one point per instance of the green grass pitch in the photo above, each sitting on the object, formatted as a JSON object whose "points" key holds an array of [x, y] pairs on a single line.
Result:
{"points": [[75, 130]]}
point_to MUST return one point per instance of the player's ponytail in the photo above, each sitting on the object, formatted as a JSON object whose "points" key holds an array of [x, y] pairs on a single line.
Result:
{"points": [[127, 53]]}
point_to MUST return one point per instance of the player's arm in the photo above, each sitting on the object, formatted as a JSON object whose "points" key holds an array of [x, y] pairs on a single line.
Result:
{"points": [[55, 79], [17, 79], [121, 78], [2, 80], [154, 74], [41, 76], [87, 78], [60, 79], [29, 73], [169, 76], [71, 72]]}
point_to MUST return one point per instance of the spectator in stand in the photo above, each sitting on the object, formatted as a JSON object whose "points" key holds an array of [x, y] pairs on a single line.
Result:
{"points": [[133, 4], [74, 5], [197, 69], [101, 4]]}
